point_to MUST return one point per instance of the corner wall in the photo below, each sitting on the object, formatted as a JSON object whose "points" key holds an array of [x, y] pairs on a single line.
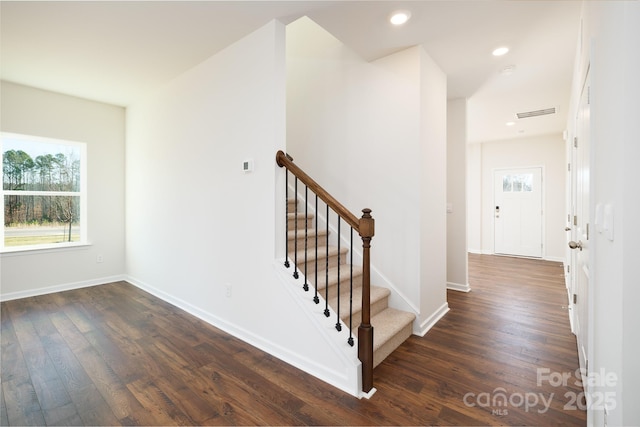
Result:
{"points": [[433, 192], [457, 256], [474, 198], [31, 111]]}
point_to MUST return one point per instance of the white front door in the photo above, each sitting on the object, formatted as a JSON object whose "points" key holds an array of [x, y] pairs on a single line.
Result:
{"points": [[518, 212]]}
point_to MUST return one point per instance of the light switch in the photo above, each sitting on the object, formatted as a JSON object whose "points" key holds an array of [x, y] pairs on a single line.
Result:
{"points": [[607, 225], [599, 220]]}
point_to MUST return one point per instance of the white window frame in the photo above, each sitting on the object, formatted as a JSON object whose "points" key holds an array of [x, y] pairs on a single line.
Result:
{"points": [[82, 146]]}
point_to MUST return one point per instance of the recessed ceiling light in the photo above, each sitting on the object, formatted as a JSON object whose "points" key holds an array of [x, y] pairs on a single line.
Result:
{"points": [[500, 51], [510, 123], [400, 17]]}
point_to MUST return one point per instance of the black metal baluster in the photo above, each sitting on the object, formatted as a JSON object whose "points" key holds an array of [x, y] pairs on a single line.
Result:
{"points": [[286, 215], [338, 325], [306, 235], [295, 234], [350, 340], [326, 278], [315, 297]]}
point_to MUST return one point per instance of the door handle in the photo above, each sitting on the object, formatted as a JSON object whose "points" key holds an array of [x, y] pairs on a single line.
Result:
{"points": [[567, 229], [574, 245]]}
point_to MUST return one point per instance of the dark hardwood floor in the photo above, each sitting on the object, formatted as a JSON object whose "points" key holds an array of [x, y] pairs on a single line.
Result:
{"points": [[115, 355]]}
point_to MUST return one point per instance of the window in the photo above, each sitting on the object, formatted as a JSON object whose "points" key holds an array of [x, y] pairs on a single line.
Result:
{"points": [[517, 183], [43, 192]]}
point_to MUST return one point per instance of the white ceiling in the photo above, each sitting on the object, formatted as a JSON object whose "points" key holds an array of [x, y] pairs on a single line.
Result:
{"points": [[115, 51]]}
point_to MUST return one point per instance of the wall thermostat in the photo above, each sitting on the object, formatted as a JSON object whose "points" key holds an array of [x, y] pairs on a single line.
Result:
{"points": [[247, 165]]}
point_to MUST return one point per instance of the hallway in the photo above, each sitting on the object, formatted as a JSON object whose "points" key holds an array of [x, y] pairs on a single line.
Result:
{"points": [[509, 337]]}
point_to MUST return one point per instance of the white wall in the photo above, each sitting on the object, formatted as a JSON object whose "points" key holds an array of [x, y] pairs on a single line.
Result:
{"points": [[36, 112], [457, 258], [630, 374], [357, 128], [197, 224], [433, 192], [474, 198], [610, 45], [546, 151]]}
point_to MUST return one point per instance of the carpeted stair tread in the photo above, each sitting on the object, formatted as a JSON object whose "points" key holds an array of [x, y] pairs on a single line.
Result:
{"points": [[291, 234], [388, 323], [299, 215], [377, 296], [322, 254], [391, 327], [344, 276]]}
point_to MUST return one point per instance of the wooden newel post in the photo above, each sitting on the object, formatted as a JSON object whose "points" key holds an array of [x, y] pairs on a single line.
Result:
{"points": [[365, 330]]}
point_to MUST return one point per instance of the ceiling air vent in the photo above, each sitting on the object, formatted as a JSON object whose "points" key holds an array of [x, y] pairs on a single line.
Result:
{"points": [[536, 113]]}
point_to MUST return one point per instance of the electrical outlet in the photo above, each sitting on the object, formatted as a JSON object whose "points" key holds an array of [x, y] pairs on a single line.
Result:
{"points": [[227, 290], [99, 259]]}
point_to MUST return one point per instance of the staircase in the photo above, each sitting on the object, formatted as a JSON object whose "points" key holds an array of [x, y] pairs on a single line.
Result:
{"points": [[391, 327]]}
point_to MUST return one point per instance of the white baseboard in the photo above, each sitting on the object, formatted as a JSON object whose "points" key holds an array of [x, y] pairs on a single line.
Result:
{"points": [[333, 378], [570, 313], [428, 323], [368, 394], [480, 252], [554, 259], [458, 287], [61, 288]]}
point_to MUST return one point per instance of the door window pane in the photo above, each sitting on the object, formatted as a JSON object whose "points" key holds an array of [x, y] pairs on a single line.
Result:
{"points": [[527, 182], [506, 183], [517, 183]]}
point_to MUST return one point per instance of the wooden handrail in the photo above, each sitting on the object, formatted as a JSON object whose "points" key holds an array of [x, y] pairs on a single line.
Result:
{"points": [[284, 160], [365, 226]]}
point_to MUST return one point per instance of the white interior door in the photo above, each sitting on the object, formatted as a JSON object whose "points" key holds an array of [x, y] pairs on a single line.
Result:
{"points": [[518, 212], [580, 233], [570, 254]]}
